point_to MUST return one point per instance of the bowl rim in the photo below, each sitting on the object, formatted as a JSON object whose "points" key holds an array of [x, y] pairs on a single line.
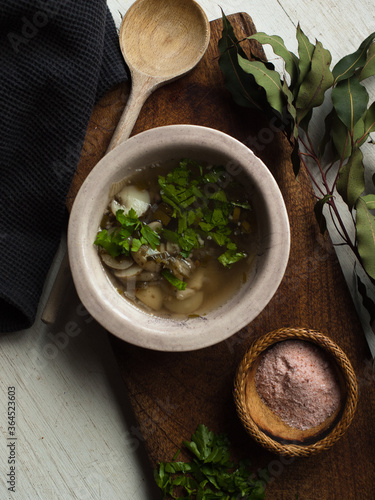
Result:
{"points": [[137, 327], [343, 363]]}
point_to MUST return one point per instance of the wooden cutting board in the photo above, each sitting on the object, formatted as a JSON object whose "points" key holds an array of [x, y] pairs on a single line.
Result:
{"points": [[171, 393]]}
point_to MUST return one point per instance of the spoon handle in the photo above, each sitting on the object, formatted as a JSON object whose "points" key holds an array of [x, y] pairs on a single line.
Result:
{"points": [[142, 87]]}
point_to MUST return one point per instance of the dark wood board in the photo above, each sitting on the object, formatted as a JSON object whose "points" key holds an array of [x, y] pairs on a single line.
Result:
{"points": [[171, 393]]}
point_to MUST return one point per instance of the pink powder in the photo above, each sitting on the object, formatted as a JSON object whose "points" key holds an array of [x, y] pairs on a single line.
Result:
{"points": [[297, 382]]}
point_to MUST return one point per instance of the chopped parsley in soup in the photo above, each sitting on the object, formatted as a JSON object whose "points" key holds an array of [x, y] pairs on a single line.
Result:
{"points": [[180, 240]]}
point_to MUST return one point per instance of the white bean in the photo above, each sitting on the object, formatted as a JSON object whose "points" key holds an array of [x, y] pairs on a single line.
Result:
{"points": [[184, 294], [187, 306], [132, 197], [151, 296], [196, 281]]}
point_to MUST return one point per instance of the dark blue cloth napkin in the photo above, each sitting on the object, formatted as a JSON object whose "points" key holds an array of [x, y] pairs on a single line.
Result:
{"points": [[57, 58]]}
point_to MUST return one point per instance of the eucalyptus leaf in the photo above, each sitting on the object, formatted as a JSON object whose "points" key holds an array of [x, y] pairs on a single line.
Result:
{"points": [[369, 199], [279, 48], [367, 302], [369, 67], [370, 119], [318, 210], [269, 80], [341, 136], [359, 135], [241, 85], [350, 100], [327, 136], [365, 226], [347, 66], [315, 83], [336, 131], [305, 52], [305, 121], [351, 181], [293, 129], [296, 161]]}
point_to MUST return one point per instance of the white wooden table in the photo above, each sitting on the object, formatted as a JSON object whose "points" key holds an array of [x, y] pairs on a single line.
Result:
{"points": [[76, 436]]}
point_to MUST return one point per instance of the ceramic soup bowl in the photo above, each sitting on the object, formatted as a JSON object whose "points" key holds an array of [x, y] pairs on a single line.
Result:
{"points": [[126, 319]]}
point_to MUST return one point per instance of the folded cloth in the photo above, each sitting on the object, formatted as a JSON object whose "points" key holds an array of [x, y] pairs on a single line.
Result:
{"points": [[57, 58]]}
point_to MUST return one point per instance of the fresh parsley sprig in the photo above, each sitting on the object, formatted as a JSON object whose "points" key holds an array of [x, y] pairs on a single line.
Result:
{"points": [[210, 475], [128, 236], [201, 208]]}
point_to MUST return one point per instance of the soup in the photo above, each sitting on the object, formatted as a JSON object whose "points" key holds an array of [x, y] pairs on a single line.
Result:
{"points": [[178, 238]]}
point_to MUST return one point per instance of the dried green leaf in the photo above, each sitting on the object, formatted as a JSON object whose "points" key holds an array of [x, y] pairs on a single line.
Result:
{"points": [[316, 82], [365, 226], [291, 119], [269, 80], [327, 136], [350, 100], [369, 119], [305, 121], [305, 52], [296, 161], [279, 48], [241, 85], [369, 199], [341, 138], [318, 210], [369, 67], [347, 66], [351, 181], [367, 302], [359, 135]]}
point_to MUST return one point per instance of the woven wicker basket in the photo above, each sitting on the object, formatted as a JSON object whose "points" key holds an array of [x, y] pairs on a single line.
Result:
{"points": [[268, 429]]}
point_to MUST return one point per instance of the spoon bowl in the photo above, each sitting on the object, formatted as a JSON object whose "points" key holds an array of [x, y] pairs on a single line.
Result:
{"points": [[161, 40], [170, 39]]}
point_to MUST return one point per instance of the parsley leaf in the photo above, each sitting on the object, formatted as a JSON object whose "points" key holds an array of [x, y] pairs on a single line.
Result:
{"points": [[128, 237], [149, 237], [107, 241], [211, 474], [202, 209], [230, 257], [176, 282]]}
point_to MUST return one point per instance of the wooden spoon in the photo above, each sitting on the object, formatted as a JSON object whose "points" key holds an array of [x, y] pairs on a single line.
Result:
{"points": [[161, 40]]}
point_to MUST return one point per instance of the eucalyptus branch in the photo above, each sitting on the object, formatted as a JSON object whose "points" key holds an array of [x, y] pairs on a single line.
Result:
{"points": [[312, 178], [293, 94], [336, 226]]}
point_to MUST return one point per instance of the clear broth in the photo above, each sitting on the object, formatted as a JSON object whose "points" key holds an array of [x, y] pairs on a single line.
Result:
{"points": [[219, 283]]}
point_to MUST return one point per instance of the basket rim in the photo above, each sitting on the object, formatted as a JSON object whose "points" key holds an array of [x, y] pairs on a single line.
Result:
{"points": [[301, 333]]}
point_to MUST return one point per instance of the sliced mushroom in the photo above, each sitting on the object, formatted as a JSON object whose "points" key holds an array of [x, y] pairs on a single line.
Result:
{"points": [[152, 296], [148, 276], [181, 268], [173, 248], [187, 306], [116, 263], [130, 272], [146, 257]]}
